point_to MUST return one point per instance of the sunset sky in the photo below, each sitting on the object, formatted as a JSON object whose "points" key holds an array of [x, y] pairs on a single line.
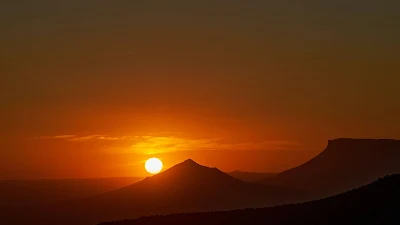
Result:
{"points": [[94, 88]]}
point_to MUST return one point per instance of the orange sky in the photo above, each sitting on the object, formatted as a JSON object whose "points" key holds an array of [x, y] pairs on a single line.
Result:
{"points": [[89, 90]]}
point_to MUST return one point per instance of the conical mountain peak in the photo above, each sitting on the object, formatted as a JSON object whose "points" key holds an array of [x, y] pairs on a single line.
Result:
{"points": [[188, 166], [190, 162], [190, 172]]}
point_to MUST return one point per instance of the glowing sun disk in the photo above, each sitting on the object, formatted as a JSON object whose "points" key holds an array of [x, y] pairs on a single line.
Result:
{"points": [[153, 165]]}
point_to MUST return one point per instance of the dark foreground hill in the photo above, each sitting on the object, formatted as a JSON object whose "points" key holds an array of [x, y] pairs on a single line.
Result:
{"points": [[345, 164], [15, 193], [373, 204], [186, 187]]}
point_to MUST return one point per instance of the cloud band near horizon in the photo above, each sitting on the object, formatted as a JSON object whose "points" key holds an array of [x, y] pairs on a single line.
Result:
{"points": [[161, 144]]}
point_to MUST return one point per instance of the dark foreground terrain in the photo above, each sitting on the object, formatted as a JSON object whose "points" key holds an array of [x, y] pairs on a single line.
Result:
{"points": [[375, 204]]}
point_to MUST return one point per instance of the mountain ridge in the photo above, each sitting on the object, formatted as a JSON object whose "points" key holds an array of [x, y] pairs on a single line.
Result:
{"points": [[344, 164], [185, 187], [250, 176]]}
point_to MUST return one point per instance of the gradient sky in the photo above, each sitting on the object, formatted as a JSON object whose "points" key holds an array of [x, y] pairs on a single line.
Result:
{"points": [[93, 88]]}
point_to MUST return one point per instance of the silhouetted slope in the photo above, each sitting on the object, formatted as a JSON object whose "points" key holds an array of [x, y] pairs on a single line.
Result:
{"points": [[345, 164], [186, 187], [374, 204], [15, 193], [250, 176]]}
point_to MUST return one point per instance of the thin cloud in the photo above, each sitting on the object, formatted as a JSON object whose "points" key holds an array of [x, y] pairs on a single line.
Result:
{"points": [[64, 136], [158, 144], [88, 137], [151, 145], [85, 138]]}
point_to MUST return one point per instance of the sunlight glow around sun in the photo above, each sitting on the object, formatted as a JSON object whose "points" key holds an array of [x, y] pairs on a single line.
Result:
{"points": [[153, 165]]}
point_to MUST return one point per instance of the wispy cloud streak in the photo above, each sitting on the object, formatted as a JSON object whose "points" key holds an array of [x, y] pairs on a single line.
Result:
{"points": [[158, 144]]}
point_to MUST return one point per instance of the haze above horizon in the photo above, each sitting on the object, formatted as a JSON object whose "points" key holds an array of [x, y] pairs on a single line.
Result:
{"points": [[94, 89]]}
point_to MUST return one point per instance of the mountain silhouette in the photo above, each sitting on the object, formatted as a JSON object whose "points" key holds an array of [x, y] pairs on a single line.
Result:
{"points": [[343, 165], [250, 176], [373, 204], [186, 187]]}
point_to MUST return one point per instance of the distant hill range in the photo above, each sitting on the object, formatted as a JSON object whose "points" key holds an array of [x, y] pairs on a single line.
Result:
{"points": [[250, 176], [374, 204], [186, 187], [190, 187], [343, 165], [17, 193]]}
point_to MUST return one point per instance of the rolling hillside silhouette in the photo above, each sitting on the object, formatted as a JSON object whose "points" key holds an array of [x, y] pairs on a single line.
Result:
{"points": [[190, 187], [17, 193], [345, 164], [374, 204], [186, 187]]}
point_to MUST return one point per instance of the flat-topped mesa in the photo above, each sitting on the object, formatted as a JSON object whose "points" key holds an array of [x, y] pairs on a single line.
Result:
{"points": [[354, 141], [349, 154], [345, 164], [362, 144]]}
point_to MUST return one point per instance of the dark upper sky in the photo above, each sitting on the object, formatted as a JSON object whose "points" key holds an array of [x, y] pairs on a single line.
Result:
{"points": [[240, 72]]}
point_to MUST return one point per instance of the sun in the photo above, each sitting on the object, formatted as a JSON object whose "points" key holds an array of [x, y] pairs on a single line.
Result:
{"points": [[153, 165]]}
